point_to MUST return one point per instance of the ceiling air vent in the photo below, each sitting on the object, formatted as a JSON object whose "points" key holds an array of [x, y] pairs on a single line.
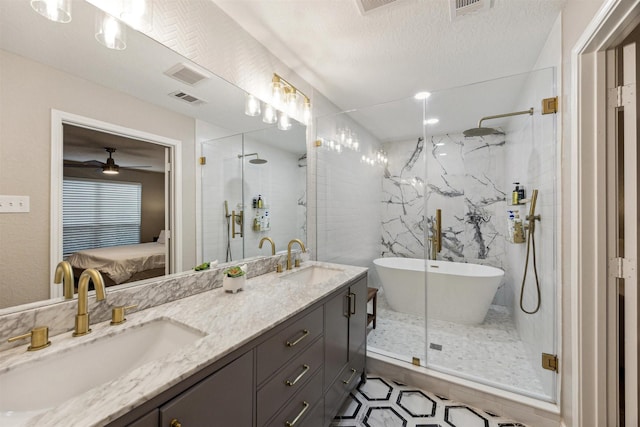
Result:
{"points": [[186, 97], [459, 8], [187, 74], [368, 5]]}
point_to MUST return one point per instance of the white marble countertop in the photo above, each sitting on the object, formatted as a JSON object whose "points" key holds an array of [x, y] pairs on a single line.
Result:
{"points": [[229, 320]]}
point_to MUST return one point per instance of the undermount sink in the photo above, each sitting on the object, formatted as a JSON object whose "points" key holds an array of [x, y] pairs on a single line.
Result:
{"points": [[312, 275], [34, 387]]}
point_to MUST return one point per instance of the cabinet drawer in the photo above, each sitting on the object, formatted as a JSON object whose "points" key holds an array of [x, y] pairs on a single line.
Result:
{"points": [[277, 391], [287, 343], [301, 406]]}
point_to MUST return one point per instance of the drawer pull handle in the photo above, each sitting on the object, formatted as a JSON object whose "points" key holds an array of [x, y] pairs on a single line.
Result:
{"points": [[175, 423], [305, 406], [305, 369], [305, 332], [352, 301], [353, 374]]}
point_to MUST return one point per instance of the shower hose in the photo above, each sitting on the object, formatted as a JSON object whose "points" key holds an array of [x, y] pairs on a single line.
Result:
{"points": [[531, 242]]}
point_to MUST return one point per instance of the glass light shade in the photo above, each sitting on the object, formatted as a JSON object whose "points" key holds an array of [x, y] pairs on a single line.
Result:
{"points": [[431, 121], [277, 93], [138, 14], [283, 121], [252, 106], [270, 114], [292, 101], [110, 32], [306, 112], [54, 10], [422, 95]]}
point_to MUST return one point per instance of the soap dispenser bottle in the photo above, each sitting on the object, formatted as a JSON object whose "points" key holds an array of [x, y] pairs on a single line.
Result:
{"points": [[515, 195]]}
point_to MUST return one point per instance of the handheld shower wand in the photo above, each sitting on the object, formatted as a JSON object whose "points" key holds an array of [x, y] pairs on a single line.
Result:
{"points": [[531, 242]]}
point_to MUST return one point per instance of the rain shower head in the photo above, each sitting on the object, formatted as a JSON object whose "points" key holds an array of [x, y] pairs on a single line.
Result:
{"points": [[256, 161], [480, 131]]}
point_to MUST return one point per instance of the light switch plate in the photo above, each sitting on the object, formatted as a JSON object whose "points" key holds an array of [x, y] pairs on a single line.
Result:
{"points": [[14, 204]]}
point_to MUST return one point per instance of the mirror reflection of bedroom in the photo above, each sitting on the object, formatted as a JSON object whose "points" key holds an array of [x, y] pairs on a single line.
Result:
{"points": [[114, 202]]}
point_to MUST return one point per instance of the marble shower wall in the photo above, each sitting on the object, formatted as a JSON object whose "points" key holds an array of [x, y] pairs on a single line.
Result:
{"points": [[464, 178]]}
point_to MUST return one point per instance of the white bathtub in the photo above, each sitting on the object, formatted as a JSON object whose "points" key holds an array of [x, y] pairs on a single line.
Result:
{"points": [[457, 292]]}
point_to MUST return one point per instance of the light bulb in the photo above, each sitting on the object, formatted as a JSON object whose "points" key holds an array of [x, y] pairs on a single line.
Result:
{"points": [[283, 121], [54, 10], [269, 115], [431, 121], [109, 32], [138, 14], [292, 101], [277, 93], [306, 112], [252, 106]]}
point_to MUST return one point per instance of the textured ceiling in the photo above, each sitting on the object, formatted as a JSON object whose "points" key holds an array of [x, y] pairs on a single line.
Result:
{"points": [[394, 51]]}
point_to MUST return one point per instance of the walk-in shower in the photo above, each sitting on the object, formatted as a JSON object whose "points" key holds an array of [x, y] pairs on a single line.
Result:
{"points": [[368, 210]]}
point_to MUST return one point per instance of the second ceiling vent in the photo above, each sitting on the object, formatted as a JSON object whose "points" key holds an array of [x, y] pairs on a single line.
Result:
{"points": [[187, 74], [459, 8]]}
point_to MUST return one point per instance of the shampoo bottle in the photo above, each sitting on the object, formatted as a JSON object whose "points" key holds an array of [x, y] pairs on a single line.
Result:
{"points": [[515, 195]]}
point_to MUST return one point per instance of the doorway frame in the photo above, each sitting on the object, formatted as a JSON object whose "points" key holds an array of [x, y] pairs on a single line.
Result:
{"points": [[588, 210], [58, 119]]}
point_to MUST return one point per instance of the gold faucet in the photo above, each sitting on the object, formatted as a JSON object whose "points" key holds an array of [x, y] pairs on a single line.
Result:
{"points": [[436, 237], [64, 275], [298, 241], [273, 245], [82, 318]]}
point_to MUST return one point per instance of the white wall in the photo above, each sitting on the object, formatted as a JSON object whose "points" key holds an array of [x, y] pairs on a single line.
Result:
{"points": [[348, 198], [28, 93]]}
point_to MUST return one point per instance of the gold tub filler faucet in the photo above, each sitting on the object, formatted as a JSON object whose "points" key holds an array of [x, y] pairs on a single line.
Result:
{"points": [[436, 235]]}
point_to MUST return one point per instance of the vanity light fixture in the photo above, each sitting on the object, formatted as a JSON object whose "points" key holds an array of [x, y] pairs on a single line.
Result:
{"points": [[286, 97], [54, 10], [252, 106], [110, 32]]}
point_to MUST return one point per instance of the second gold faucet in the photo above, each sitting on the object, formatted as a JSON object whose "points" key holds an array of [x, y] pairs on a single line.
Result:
{"points": [[82, 318], [298, 241]]}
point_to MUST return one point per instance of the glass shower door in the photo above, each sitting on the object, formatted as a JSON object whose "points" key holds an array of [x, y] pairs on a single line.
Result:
{"points": [[491, 169]]}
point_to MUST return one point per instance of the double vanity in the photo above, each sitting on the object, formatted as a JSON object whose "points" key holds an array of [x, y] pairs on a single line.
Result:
{"points": [[285, 351]]}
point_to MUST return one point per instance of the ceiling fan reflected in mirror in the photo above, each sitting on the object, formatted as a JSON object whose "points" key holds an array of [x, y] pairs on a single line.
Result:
{"points": [[109, 167]]}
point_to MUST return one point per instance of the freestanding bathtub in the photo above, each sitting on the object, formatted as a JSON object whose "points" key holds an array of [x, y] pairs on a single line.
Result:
{"points": [[456, 291]]}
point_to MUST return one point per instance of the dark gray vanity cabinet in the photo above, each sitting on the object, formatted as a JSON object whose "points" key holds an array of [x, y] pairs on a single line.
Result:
{"points": [[345, 344], [222, 399], [298, 373]]}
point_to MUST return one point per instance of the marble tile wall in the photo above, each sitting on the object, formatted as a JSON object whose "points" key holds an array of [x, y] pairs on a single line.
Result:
{"points": [[463, 177]]}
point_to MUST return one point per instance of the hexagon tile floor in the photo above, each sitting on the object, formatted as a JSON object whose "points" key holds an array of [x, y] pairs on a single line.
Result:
{"points": [[384, 403]]}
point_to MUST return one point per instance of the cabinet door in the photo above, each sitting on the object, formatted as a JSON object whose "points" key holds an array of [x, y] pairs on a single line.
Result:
{"points": [[223, 399], [336, 336], [357, 320], [149, 420]]}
